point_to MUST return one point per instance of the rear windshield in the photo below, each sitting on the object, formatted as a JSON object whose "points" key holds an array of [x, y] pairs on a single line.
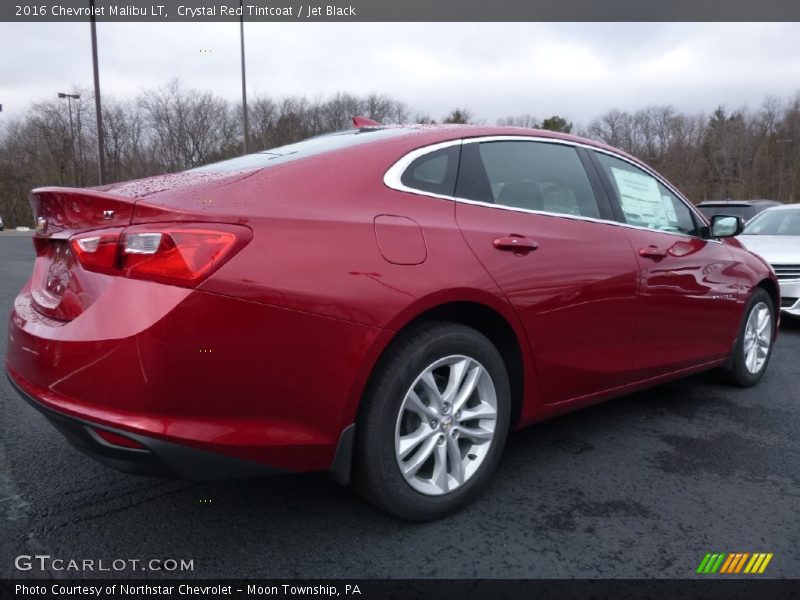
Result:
{"points": [[775, 222], [304, 149]]}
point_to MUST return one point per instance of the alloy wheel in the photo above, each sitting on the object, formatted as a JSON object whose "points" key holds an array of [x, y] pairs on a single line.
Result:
{"points": [[757, 338], [445, 425]]}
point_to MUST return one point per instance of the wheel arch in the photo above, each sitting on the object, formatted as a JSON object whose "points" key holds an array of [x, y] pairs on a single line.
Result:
{"points": [[478, 309], [497, 329], [774, 293]]}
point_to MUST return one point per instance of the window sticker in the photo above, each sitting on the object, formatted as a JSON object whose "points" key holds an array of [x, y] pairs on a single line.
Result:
{"points": [[669, 208], [641, 199]]}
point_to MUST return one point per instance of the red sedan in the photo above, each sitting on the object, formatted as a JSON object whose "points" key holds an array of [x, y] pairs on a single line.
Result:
{"points": [[385, 303]]}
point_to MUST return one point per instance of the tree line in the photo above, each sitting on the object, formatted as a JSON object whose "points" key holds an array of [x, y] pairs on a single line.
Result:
{"points": [[739, 154]]}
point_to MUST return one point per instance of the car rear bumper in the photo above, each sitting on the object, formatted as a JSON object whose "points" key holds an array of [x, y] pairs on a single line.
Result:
{"points": [[790, 297], [157, 458], [208, 385]]}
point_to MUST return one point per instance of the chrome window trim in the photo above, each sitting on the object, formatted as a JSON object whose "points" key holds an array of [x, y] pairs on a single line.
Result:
{"points": [[393, 180]]}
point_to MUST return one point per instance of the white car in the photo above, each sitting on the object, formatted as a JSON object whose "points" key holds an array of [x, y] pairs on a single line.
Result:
{"points": [[775, 235]]}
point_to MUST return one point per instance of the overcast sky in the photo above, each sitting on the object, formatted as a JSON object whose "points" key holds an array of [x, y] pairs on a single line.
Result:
{"points": [[494, 69]]}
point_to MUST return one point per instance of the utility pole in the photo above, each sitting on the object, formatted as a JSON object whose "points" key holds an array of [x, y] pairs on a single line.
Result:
{"points": [[70, 98], [244, 84], [101, 145], [783, 143]]}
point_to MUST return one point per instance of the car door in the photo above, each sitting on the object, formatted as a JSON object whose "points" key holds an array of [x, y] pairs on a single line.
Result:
{"points": [[688, 305], [531, 215]]}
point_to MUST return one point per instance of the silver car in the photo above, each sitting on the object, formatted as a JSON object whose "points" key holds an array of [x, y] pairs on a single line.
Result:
{"points": [[775, 235]]}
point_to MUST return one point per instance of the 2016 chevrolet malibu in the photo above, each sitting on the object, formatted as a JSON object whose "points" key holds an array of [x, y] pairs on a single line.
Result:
{"points": [[381, 302]]}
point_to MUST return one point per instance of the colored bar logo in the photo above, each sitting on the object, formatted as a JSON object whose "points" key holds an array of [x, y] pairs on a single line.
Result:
{"points": [[733, 563]]}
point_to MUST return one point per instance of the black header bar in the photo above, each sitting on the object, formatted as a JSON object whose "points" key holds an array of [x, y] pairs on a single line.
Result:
{"points": [[400, 10], [733, 588]]}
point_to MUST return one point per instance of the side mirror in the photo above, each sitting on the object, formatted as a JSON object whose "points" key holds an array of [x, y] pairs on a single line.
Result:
{"points": [[724, 226]]}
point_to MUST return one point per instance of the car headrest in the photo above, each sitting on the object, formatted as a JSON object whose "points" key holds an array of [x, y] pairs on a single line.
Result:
{"points": [[522, 194]]}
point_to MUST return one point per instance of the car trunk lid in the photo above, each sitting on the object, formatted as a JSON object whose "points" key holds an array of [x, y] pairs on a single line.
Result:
{"points": [[60, 287]]}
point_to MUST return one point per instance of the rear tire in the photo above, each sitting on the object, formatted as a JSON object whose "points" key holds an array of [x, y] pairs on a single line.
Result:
{"points": [[433, 422], [753, 347]]}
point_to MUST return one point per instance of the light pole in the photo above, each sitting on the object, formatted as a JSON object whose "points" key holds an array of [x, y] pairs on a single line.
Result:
{"points": [[244, 85], [101, 140], [70, 98], [783, 143]]}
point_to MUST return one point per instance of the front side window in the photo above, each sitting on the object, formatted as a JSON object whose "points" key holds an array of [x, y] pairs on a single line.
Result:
{"points": [[537, 176], [645, 201]]}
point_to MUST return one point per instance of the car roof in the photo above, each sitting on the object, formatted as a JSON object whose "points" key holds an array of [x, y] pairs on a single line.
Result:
{"points": [[784, 207], [448, 131], [402, 139], [739, 203], [429, 134]]}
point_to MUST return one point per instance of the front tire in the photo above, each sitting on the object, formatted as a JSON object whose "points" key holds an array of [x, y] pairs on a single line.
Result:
{"points": [[433, 422], [753, 347]]}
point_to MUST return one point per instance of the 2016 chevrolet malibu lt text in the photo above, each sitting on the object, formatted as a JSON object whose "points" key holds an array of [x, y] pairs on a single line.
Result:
{"points": [[382, 303]]}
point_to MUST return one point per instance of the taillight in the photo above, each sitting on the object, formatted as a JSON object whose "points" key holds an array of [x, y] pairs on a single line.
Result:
{"points": [[173, 254], [97, 251], [181, 256]]}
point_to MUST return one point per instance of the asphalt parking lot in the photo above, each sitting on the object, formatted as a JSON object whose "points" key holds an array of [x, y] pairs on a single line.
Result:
{"points": [[643, 486]]}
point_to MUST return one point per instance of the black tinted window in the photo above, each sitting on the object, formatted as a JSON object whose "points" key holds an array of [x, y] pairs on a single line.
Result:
{"points": [[434, 172], [530, 175]]}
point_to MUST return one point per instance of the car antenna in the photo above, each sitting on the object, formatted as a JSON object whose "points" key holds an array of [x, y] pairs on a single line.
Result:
{"points": [[363, 123]]}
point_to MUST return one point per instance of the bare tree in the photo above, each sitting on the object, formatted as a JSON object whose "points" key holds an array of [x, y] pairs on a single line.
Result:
{"points": [[526, 120], [188, 127], [742, 153]]}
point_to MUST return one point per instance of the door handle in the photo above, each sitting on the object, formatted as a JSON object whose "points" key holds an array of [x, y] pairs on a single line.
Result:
{"points": [[653, 252], [518, 244]]}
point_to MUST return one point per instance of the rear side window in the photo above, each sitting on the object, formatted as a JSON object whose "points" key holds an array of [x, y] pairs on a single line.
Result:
{"points": [[434, 172], [535, 176], [646, 202]]}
